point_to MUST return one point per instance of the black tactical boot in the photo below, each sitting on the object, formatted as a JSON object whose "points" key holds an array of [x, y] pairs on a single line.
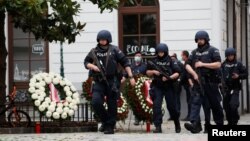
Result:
{"points": [[108, 130], [157, 129], [177, 126], [206, 127], [193, 127]]}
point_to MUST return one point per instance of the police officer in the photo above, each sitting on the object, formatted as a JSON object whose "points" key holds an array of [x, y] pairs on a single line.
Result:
{"points": [[138, 67], [206, 61], [162, 85], [233, 71], [185, 83], [177, 84], [108, 57]]}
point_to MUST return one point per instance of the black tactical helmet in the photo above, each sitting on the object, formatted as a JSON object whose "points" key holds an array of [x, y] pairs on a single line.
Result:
{"points": [[201, 35], [161, 47], [104, 34], [230, 51]]}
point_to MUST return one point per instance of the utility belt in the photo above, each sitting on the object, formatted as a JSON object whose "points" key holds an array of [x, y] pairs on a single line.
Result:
{"points": [[112, 80], [98, 78], [160, 83], [211, 79]]}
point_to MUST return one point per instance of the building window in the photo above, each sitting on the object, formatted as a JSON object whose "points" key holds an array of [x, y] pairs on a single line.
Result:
{"points": [[139, 27], [27, 57]]}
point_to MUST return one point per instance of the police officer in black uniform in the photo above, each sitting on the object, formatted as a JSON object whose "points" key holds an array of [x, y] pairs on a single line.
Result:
{"points": [[177, 84], [203, 64], [233, 71], [162, 85], [109, 56], [185, 83]]}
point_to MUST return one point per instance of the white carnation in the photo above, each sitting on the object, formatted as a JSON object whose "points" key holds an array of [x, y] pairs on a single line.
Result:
{"points": [[56, 115], [47, 99], [33, 80], [59, 104], [55, 81], [68, 99], [74, 101], [76, 95], [42, 83], [37, 84], [66, 109], [41, 108], [43, 74], [48, 114], [73, 88], [38, 92], [32, 84], [64, 115], [71, 112], [48, 80], [77, 100], [32, 89], [39, 77], [37, 102], [45, 104], [75, 107], [71, 105], [41, 98], [53, 103], [66, 88], [43, 94], [59, 110], [52, 108], [65, 104], [34, 96], [69, 93], [41, 88], [62, 83]]}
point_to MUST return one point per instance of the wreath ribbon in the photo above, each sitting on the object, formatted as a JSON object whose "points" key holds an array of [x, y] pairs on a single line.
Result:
{"points": [[146, 92], [54, 93]]}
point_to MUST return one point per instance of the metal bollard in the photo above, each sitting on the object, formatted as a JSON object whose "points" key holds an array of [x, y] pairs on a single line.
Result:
{"points": [[148, 126], [38, 127]]}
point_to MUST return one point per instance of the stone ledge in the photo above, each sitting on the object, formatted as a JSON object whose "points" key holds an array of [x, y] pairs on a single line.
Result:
{"points": [[23, 130]]}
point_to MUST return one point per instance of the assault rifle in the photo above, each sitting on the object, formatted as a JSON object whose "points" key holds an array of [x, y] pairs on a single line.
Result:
{"points": [[165, 74], [201, 81], [100, 66], [223, 84]]}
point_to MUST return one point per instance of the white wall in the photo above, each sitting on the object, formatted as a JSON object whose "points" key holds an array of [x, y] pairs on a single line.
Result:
{"points": [[75, 53], [223, 27], [181, 19]]}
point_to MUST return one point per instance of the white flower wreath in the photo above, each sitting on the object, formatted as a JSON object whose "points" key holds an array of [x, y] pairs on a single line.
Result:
{"points": [[140, 95], [124, 107], [40, 91]]}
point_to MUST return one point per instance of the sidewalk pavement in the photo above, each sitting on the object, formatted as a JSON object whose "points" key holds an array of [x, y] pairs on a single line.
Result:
{"points": [[125, 132]]}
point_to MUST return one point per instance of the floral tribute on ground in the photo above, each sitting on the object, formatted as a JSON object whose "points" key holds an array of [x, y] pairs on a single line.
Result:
{"points": [[54, 96], [139, 98], [122, 105]]}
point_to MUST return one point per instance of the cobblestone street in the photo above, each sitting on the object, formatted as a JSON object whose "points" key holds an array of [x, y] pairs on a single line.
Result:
{"points": [[124, 133]]}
